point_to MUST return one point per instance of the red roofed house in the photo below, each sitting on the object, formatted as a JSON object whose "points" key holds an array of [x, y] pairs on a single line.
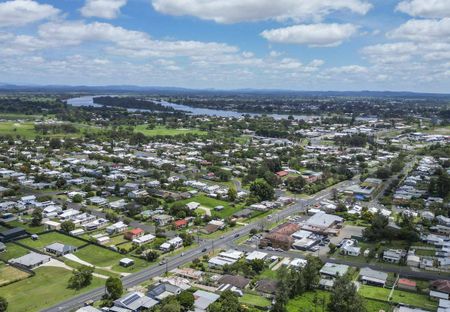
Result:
{"points": [[282, 174], [180, 223], [407, 284], [134, 233], [440, 289]]}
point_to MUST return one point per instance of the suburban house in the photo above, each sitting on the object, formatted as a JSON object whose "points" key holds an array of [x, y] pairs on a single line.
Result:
{"points": [[147, 238], [59, 249], [203, 299], [11, 234], [393, 255], [134, 302], [161, 291], [406, 284], [371, 277], [133, 234], [31, 260], [440, 289], [329, 272], [172, 244]]}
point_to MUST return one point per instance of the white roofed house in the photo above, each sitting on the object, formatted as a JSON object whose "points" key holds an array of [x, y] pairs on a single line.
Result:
{"points": [[172, 244], [117, 227], [98, 201], [329, 272], [118, 204], [144, 239]]}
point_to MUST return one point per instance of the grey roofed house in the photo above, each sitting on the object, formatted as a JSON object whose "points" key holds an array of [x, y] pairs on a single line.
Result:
{"points": [[267, 286], [11, 234], [369, 276], [234, 280], [333, 270], [203, 299], [135, 301], [60, 249], [323, 220], [163, 290], [31, 260]]}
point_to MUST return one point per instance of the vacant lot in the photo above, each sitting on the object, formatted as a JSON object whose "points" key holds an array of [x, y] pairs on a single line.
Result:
{"points": [[50, 238], [10, 274], [309, 299], [104, 258], [211, 203], [29, 295], [399, 296], [159, 130]]}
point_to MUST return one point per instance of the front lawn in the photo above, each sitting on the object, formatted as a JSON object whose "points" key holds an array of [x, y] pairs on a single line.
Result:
{"points": [[9, 274], [46, 288], [50, 238], [254, 300]]}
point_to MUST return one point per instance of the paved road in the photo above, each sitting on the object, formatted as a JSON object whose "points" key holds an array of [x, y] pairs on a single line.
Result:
{"points": [[402, 270], [204, 247]]}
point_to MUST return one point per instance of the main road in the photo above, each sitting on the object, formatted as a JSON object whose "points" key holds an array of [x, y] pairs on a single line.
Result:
{"points": [[204, 247]]}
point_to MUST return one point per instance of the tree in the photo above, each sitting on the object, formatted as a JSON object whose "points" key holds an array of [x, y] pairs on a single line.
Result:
{"points": [[36, 217], [262, 190], [383, 173], [67, 226], [81, 277], [3, 304], [114, 288], [232, 193], [311, 272], [55, 143], [344, 297], [77, 199], [151, 255], [296, 184], [186, 299]]}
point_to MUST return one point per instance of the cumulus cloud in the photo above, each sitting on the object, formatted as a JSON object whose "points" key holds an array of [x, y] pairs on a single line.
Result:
{"points": [[22, 12], [107, 9], [314, 35], [423, 30], [425, 8], [235, 11]]}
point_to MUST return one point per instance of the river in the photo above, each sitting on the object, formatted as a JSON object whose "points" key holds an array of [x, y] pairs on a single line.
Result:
{"points": [[89, 101]]}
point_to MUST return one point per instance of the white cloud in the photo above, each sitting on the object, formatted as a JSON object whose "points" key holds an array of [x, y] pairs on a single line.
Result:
{"points": [[425, 8], [423, 30], [314, 35], [21, 12], [235, 11], [108, 9], [349, 69]]}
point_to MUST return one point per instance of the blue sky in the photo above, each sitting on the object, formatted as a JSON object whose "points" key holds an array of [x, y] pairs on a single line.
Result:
{"points": [[227, 44]]}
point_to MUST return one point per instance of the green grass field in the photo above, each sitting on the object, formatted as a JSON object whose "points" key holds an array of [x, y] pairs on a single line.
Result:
{"points": [[399, 296], [160, 130], [27, 227], [254, 300], [102, 257], [13, 251], [29, 295], [211, 203], [26, 130], [50, 238], [308, 300]]}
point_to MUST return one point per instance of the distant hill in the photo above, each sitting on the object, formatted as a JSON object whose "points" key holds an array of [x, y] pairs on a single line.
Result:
{"points": [[244, 92]]}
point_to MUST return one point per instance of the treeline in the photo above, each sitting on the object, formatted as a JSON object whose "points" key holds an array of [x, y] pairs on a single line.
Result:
{"points": [[65, 128], [354, 140], [131, 102]]}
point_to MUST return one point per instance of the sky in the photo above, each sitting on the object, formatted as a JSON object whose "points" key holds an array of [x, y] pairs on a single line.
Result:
{"points": [[342, 45]]}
